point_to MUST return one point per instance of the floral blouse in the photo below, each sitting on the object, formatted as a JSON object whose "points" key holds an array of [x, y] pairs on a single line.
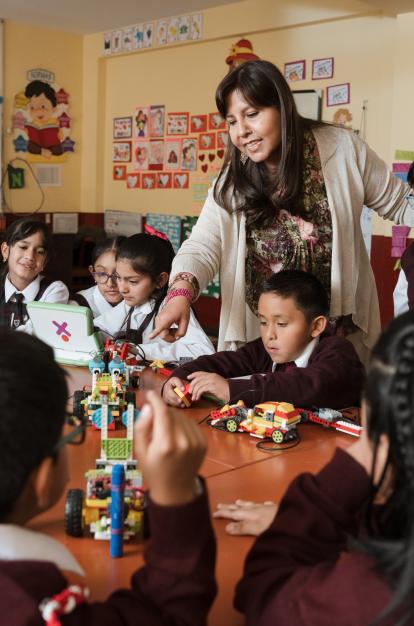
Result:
{"points": [[301, 242]]}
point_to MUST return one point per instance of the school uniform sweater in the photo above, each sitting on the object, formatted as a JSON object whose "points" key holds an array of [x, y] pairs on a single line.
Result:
{"points": [[299, 572], [194, 343], [331, 376], [175, 587]]}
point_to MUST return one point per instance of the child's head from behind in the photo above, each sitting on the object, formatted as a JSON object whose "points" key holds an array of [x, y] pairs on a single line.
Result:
{"points": [[34, 395], [293, 309], [143, 265], [103, 268], [25, 250]]}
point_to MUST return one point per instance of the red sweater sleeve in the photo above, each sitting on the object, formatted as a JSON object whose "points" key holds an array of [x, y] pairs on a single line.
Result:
{"points": [[315, 517], [176, 586]]}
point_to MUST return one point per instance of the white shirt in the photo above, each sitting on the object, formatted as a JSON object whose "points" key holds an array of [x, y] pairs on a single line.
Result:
{"points": [[400, 295], [303, 359], [18, 543], [195, 342], [99, 305], [55, 292]]}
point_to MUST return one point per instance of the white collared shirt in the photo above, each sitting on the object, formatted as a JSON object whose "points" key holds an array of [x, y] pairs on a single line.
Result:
{"points": [[400, 295], [55, 292], [99, 305], [18, 543], [195, 342], [303, 359]]}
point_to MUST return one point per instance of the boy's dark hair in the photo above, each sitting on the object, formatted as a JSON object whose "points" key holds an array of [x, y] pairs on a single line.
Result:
{"points": [[108, 245], [33, 396], [38, 87], [410, 176], [306, 290]]}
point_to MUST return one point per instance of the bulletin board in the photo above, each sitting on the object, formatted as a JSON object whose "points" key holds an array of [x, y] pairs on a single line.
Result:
{"points": [[309, 103]]}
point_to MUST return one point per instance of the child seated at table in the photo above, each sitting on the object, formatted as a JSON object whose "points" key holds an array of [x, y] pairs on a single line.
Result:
{"points": [[298, 359], [104, 295], [37, 573], [25, 251], [143, 265], [341, 548]]}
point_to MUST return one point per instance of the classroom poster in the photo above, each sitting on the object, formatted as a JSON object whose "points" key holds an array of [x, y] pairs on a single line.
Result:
{"points": [[170, 225]]}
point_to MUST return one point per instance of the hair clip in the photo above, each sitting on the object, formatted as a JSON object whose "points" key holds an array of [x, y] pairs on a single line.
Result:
{"points": [[150, 230]]}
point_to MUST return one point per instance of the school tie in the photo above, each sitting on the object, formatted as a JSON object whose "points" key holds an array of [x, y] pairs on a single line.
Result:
{"points": [[18, 312], [285, 367]]}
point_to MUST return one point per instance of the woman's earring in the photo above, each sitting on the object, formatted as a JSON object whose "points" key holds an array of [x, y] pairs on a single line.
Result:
{"points": [[243, 158]]}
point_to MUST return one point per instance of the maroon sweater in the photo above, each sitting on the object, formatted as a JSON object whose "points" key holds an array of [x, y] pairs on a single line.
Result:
{"points": [[295, 574], [175, 587], [333, 377]]}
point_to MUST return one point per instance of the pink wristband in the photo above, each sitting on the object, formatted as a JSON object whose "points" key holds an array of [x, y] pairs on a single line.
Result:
{"points": [[178, 292]]}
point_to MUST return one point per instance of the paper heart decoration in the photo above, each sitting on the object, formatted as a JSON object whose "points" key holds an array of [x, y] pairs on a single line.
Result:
{"points": [[206, 141], [204, 168], [148, 182], [202, 157], [181, 179], [132, 181], [211, 157], [220, 154], [164, 179]]}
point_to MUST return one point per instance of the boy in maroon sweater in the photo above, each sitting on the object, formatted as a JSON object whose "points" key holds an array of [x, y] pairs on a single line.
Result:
{"points": [[297, 359], [176, 586]]}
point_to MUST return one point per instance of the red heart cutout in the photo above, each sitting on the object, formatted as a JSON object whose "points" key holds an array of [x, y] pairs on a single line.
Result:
{"points": [[220, 154], [204, 168], [202, 157], [211, 157]]}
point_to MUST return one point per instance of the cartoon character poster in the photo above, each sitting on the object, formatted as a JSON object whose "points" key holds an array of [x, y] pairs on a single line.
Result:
{"points": [[41, 122]]}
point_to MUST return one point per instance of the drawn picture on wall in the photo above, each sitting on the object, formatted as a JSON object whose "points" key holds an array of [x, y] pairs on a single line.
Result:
{"points": [[189, 154], [41, 122], [338, 94], [295, 70], [322, 68]]}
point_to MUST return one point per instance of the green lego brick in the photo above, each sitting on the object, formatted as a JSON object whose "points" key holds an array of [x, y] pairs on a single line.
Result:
{"points": [[120, 449]]}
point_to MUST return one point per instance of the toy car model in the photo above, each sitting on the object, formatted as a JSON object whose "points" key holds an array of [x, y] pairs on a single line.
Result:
{"points": [[229, 416], [92, 507], [110, 383], [275, 420], [331, 418]]}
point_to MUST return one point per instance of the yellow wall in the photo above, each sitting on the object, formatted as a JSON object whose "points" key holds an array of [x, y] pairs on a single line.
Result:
{"points": [[27, 47], [371, 51]]}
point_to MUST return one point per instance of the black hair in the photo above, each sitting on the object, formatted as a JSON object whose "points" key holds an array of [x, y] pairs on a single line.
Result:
{"points": [[26, 227], [33, 397], [305, 289], [111, 244], [410, 176], [150, 255], [389, 395], [39, 87], [246, 187]]}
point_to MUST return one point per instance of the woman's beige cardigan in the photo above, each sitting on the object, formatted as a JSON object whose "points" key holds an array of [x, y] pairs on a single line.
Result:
{"points": [[354, 175]]}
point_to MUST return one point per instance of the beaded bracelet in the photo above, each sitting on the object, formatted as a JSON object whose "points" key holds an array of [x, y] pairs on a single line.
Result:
{"points": [[178, 292], [189, 278]]}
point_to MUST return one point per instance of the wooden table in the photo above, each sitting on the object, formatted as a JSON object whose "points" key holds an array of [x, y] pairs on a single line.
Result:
{"points": [[233, 468]]}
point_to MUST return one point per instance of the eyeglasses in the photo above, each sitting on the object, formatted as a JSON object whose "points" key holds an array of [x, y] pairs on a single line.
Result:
{"points": [[74, 432], [102, 277]]}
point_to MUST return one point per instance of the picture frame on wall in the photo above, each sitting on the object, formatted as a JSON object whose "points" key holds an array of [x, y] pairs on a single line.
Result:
{"points": [[121, 151], [322, 68], [295, 70], [122, 127], [338, 94]]}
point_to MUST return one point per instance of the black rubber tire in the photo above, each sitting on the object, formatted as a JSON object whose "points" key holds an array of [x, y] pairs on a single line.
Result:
{"points": [[130, 397], [78, 408], [73, 513]]}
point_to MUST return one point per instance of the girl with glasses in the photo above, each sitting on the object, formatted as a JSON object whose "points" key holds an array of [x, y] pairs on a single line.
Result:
{"points": [[104, 295], [143, 265]]}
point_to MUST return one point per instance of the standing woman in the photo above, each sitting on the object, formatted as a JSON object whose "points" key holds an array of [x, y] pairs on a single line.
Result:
{"points": [[289, 196]]}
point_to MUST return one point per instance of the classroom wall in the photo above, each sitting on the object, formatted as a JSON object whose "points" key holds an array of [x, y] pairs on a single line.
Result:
{"points": [[27, 47]]}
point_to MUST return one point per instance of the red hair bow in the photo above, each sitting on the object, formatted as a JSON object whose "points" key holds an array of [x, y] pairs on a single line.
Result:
{"points": [[150, 230]]}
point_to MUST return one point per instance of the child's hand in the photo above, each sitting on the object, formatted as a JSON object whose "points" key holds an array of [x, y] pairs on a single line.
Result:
{"points": [[204, 382], [169, 394], [250, 518], [170, 450]]}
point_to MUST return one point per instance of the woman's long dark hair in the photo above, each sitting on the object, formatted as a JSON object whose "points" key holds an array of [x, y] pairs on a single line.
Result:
{"points": [[390, 403], [246, 187]]}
